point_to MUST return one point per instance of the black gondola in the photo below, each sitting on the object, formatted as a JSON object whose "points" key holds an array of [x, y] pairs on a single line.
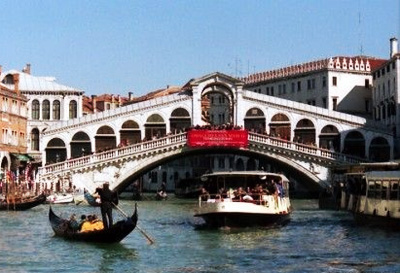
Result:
{"points": [[115, 234], [25, 204]]}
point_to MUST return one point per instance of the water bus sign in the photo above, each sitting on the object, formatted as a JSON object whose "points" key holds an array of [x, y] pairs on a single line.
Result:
{"points": [[222, 138]]}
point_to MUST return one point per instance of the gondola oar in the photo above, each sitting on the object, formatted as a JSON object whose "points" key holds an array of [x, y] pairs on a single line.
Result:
{"points": [[151, 241]]}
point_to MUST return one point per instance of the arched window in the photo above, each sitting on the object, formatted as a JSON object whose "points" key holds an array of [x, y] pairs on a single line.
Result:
{"points": [[35, 140], [46, 110], [73, 109], [56, 110], [35, 109]]}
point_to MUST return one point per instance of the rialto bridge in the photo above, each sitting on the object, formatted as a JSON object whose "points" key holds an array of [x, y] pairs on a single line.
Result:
{"points": [[120, 145]]}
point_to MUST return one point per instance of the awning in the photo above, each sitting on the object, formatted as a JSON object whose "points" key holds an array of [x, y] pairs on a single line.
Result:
{"points": [[23, 157]]}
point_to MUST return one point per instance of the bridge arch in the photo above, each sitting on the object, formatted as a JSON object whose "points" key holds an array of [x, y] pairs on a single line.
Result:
{"points": [[130, 132], [254, 120], [56, 151], [280, 126], [329, 138], [379, 149], [80, 144], [354, 144], [105, 139], [217, 104], [305, 132], [131, 171], [179, 120], [155, 126]]}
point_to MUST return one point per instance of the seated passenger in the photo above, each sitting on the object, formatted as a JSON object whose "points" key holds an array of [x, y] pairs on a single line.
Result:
{"points": [[73, 223], [92, 224]]}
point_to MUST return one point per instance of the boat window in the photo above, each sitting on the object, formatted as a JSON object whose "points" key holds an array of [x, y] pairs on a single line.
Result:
{"points": [[394, 190], [371, 189], [378, 187], [384, 190]]}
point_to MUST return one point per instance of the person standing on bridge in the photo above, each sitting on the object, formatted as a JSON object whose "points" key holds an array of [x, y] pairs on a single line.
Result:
{"points": [[107, 198]]}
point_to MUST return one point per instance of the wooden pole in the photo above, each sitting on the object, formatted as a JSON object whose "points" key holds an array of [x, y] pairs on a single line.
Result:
{"points": [[151, 241]]}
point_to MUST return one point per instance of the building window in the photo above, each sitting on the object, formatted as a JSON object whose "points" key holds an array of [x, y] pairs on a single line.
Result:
{"points": [[35, 140], [298, 86], [272, 90], [46, 110], [35, 110], [334, 81], [56, 110], [293, 87], [73, 110], [366, 83], [324, 103], [334, 104], [324, 81]]}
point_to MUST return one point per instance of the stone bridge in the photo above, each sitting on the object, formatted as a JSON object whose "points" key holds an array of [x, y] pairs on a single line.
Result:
{"points": [[119, 145]]}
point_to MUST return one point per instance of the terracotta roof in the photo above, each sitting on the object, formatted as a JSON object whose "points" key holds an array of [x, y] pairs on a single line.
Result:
{"points": [[356, 64]]}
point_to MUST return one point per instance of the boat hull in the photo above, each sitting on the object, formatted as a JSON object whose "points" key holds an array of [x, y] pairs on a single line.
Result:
{"points": [[114, 234], [377, 221], [38, 200], [232, 219]]}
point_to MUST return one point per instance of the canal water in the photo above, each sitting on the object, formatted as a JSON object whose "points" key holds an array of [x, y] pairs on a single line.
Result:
{"points": [[314, 241]]}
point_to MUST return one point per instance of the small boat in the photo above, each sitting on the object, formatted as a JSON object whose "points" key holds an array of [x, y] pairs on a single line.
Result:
{"points": [[60, 198], [114, 234], [23, 204], [91, 200], [265, 203]]}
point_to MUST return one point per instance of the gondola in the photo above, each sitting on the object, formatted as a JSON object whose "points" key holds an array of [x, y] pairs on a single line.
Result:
{"points": [[23, 204], [115, 234]]}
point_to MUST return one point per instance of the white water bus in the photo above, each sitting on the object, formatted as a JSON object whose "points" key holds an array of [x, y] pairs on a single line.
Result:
{"points": [[244, 198], [374, 198]]}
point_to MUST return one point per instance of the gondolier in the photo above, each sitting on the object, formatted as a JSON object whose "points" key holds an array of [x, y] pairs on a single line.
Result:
{"points": [[107, 197]]}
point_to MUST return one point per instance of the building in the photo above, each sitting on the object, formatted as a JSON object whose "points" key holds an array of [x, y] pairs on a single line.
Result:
{"points": [[48, 103], [386, 93], [13, 124], [340, 83]]}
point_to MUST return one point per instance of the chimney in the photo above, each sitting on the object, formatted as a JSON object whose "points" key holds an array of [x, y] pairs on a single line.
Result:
{"points": [[16, 82], [27, 69], [94, 103], [393, 47], [130, 96]]}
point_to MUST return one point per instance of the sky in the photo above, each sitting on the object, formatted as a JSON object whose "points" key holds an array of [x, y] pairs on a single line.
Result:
{"points": [[122, 46]]}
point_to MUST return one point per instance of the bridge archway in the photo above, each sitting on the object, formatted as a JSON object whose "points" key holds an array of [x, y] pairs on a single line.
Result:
{"points": [[217, 104], [80, 145], [354, 144], [130, 133], [295, 172], [379, 150], [155, 127], [179, 120], [56, 151], [105, 139], [280, 126], [254, 120], [305, 132], [329, 138]]}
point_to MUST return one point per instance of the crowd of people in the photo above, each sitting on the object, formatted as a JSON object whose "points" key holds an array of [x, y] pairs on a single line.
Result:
{"points": [[255, 193]]}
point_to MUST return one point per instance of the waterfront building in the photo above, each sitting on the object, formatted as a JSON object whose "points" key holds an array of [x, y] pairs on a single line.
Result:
{"points": [[386, 93], [13, 126], [48, 103], [339, 83]]}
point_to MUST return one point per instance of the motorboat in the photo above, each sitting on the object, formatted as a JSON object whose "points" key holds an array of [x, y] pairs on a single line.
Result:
{"points": [[244, 198], [60, 198]]}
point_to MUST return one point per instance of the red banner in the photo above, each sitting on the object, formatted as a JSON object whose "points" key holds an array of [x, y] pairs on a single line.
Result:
{"points": [[224, 138]]}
